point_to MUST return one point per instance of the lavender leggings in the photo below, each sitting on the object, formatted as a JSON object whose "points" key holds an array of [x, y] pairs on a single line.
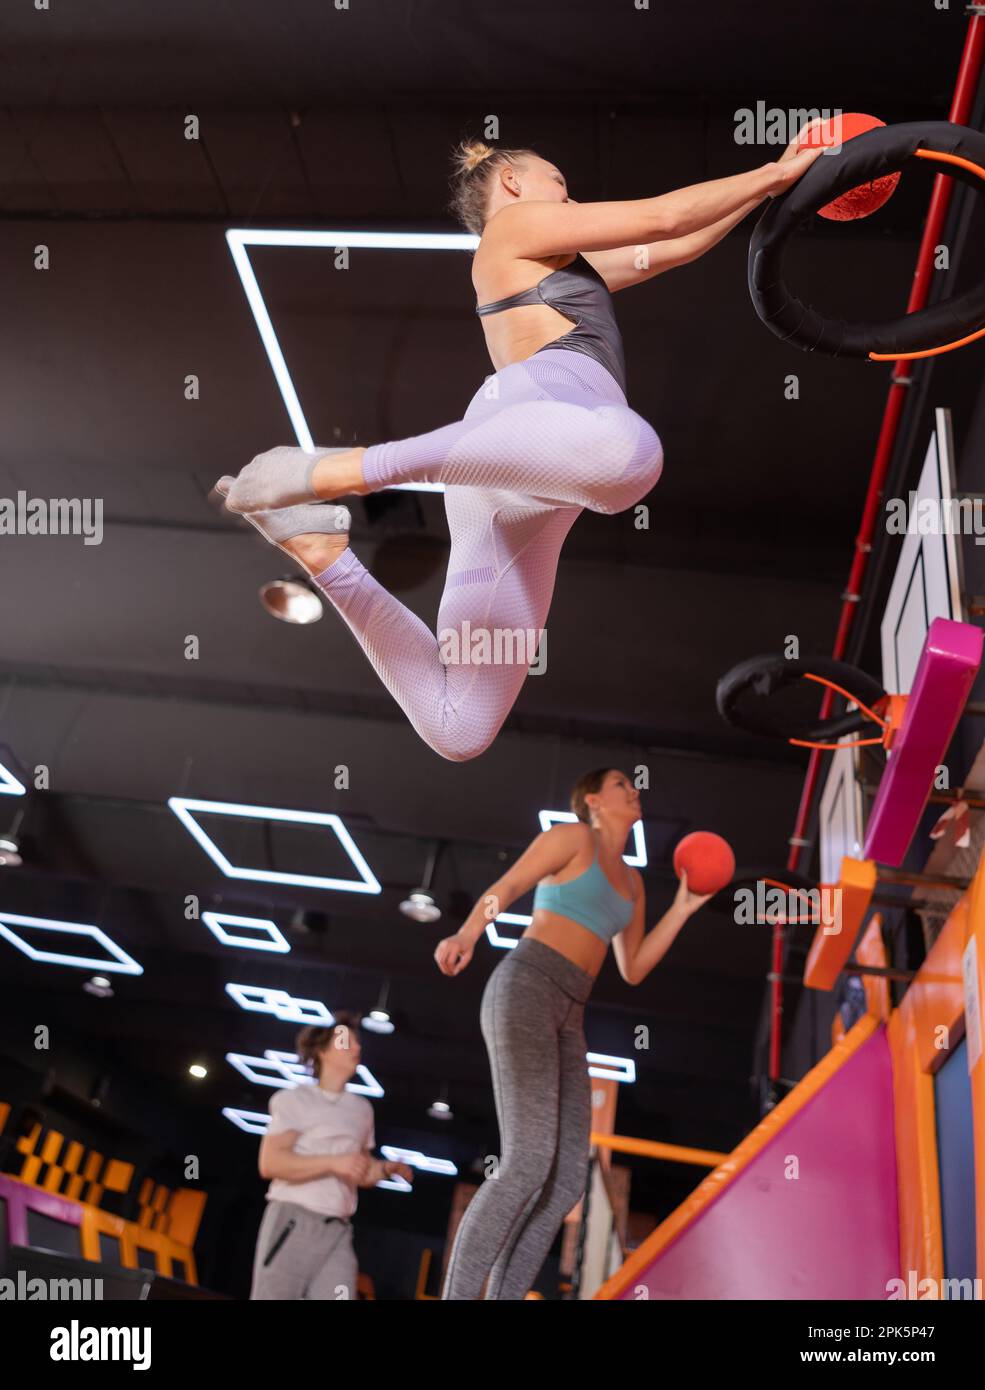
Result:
{"points": [[541, 441]]}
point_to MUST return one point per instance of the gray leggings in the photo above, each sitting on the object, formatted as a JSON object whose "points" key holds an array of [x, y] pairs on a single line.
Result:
{"points": [[300, 1254], [532, 1019]]}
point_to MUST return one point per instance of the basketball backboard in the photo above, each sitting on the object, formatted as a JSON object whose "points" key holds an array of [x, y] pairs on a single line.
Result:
{"points": [[927, 583]]}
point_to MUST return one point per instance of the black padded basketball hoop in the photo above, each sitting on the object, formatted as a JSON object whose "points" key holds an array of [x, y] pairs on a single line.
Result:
{"points": [[956, 151], [744, 697]]}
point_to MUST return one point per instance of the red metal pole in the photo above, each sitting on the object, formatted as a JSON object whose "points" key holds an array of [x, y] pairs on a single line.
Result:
{"points": [[969, 72]]}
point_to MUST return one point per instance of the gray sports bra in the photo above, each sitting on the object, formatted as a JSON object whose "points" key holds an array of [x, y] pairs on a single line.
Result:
{"points": [[580, 294]]}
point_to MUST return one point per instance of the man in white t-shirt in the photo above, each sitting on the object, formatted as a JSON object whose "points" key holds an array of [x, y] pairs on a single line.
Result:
{"points": [[317, 1151]]}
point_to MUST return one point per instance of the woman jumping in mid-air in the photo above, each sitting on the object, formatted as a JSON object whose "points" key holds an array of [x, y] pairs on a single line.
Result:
{"points": [[547, 436], [532, 1017]]}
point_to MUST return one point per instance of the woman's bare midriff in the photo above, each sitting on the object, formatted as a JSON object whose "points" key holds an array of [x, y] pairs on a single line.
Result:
{"points": [[582, 947], [512, 335]]}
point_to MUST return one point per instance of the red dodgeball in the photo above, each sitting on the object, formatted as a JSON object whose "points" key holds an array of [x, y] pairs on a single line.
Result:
{"points": [[867, 198], [707, 859]]}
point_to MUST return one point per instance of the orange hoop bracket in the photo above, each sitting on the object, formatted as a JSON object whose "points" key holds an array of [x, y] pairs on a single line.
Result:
{"points": [[887, 725], [786, 921]]}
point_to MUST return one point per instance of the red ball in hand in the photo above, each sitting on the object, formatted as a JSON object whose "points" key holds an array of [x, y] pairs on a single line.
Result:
{"points": [[707, 859], [867, 198]]}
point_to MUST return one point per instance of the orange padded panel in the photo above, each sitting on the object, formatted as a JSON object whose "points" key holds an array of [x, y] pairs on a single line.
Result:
{"points": [[832, 945], [975, 928], [936, 996], [871, 950], [921, 1031], [921, 1242]]}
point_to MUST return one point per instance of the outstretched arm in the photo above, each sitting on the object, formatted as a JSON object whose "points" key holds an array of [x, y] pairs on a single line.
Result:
{"points": [[545, 855], [631, 265], [536, 230], [636, 951]]}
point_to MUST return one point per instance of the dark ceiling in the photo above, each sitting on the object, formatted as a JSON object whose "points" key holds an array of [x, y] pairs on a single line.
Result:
{"points": [[313, 117]]}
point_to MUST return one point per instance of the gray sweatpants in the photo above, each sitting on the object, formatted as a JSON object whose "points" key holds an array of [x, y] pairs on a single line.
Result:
{"points": [[532, 1019], [300, 1254]]}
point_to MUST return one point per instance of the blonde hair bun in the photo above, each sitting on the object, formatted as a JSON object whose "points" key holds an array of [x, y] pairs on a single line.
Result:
{"points": [[471, 154], [470, 195]]}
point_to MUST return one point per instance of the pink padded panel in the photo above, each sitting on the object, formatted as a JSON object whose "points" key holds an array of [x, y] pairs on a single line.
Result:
{"points": [[948, 665], [830, 1233]]}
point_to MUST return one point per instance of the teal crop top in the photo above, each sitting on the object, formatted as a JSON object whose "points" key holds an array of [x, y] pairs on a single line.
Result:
{"points": [[590, 900]]}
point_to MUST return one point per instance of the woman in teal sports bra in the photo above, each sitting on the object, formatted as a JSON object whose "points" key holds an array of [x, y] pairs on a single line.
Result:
{"points": [[532, 1019]]}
